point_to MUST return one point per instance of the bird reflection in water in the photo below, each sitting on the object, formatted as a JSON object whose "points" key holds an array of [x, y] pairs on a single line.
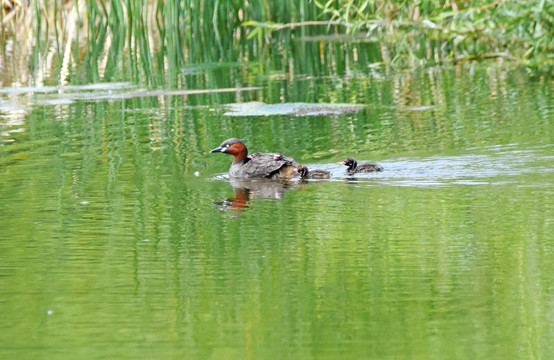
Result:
{"points": [[250, 189]]}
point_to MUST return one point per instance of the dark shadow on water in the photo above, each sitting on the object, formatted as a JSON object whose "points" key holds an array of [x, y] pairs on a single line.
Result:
{"points": [[247, 190]]}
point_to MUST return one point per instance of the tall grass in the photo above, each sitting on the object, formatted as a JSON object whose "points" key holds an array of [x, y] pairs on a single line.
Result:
{"points": [[437, 30], [151, 41], [148, 41]]}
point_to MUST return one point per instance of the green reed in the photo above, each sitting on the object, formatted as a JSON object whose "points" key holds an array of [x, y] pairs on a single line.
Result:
{"points": [[151, 41], [438, 31], [147, 41]]}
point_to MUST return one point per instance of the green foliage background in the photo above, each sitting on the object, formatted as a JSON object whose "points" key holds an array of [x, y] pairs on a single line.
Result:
{"points": [[145, 38]]}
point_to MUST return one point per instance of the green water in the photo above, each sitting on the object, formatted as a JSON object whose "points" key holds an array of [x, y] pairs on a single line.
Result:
{"points": [[121, 237]]}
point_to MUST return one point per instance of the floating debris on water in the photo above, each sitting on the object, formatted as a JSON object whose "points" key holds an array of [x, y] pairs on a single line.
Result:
{"points": [[296, 109]]}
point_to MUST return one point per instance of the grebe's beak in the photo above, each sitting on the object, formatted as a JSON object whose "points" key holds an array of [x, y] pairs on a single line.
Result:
{"points": [[218, 149]]}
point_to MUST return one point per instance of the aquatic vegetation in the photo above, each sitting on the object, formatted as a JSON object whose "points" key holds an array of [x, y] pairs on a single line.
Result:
{"points": [[435, 31], [155, 42], [296, 109], [147, 41]]}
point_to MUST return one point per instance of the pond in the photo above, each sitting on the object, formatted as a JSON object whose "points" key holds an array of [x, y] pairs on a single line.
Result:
{"points": [[123, 237]]}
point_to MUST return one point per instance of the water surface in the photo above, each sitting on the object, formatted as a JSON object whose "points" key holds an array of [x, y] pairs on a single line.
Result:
{"points": [[123, 238]]}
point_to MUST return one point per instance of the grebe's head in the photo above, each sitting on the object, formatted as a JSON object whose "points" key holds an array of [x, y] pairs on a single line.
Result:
{"points": [[234, 147], [302, 170], [350, 162]]}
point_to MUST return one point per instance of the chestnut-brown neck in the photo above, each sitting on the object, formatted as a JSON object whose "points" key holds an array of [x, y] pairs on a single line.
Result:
{"points": [[238, 151]]}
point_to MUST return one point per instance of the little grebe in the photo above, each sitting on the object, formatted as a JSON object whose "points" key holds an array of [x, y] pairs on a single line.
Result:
{"points": [[313, 174], [353, 166], [262, 165]]}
